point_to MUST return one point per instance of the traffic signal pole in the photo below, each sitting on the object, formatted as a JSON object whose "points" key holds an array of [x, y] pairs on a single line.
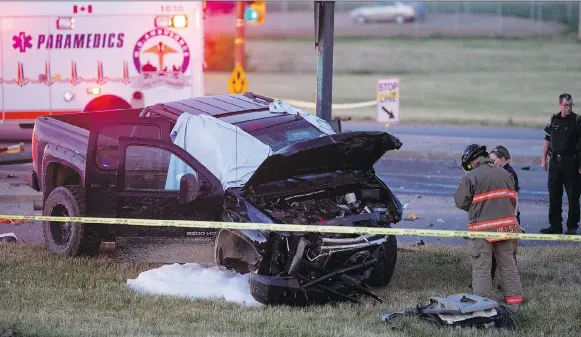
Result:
{"points": [[324, 35], [239, 39]]}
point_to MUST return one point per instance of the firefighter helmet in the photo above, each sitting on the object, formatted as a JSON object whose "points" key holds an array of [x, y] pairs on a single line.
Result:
{"points": [[472, 152]]}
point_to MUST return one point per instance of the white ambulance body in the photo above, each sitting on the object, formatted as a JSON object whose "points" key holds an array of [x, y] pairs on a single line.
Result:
{"points": [[64, 57]]}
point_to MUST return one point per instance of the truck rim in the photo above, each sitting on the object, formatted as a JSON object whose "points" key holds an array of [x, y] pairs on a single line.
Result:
{"points": [[60, 231]]}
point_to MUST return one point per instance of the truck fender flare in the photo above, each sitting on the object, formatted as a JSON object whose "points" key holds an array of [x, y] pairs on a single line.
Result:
{"points": [[56, 154]]}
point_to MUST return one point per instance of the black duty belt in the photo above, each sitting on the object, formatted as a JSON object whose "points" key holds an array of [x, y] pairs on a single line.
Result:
{"points": [[560, 156]]}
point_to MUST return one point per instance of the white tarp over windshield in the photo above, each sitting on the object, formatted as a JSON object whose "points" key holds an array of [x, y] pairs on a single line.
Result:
{"points": [[227, 151], [280, 106]]}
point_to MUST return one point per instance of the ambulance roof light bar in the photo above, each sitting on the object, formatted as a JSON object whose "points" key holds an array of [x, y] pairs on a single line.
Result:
{"points": [[175, 21], [65, 23]]}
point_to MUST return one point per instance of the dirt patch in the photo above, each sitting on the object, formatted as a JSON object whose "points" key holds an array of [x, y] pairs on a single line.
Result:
{"points": [[301, 25]]}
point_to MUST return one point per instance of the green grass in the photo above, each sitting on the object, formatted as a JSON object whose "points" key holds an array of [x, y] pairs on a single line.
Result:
{"points": [[482, 81], [43, 295]]}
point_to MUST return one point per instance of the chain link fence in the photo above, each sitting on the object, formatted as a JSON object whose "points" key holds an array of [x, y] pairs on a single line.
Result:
{"points": [[500, 17]]}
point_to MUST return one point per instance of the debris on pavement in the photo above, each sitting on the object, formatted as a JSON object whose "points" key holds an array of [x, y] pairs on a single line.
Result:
{"points": [[526, 168], [12, 148], [12, 222], [419, 196], [421, 243], [440, 220], [412, 217], [10, 176], [7, 238], [431, 225], [405, 206]]}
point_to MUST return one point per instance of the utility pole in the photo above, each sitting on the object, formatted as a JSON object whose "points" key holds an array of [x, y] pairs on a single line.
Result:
{"points": [[324, 35], [239, 40], [579, 27]]}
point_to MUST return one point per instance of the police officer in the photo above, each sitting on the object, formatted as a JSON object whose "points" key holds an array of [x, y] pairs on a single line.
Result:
{"points": [[501, 158], [563, 137], [487, 193]]}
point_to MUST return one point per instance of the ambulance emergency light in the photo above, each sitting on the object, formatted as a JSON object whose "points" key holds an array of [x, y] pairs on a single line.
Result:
{"points": [[175, 21], [65, 23], [94, 91]]}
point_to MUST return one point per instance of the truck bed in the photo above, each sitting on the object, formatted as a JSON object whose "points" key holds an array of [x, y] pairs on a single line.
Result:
{"points": [[68, 132], [84, 119]]}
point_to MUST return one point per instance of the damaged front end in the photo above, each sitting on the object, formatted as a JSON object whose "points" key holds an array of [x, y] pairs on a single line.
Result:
{"points": [[303, 268], [324, 181]]}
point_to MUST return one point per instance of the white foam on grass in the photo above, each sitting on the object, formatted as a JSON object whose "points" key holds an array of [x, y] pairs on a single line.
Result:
{"points": [[195, 281]]}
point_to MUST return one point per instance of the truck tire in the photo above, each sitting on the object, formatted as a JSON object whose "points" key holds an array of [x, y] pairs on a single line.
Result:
{"points": [[382, 272], [65, 238]]}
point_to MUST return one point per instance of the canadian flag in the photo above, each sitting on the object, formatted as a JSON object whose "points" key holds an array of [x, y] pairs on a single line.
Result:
{"points": [[82, 9]]}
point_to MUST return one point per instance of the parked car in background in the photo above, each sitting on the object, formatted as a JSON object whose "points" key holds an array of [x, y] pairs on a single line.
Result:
{"points": [[389, 11], [420, 8]]}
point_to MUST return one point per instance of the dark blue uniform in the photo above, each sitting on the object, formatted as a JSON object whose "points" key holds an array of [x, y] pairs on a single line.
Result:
{"points": [[516, 186], [563, 133]]}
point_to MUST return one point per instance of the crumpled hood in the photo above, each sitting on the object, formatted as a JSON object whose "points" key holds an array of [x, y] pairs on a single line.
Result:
{"points": [[343, 151]]}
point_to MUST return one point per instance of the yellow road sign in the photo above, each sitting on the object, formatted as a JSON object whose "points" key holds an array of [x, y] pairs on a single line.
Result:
{"points": [[393, 94], [238, 84]]}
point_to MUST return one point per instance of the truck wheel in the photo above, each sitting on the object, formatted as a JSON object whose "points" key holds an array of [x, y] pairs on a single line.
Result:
{"points": [[69, 238], [383, 270]]}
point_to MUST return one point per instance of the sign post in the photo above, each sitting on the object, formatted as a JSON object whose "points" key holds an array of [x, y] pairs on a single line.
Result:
{"points": [[238, 84], [388, 100]]}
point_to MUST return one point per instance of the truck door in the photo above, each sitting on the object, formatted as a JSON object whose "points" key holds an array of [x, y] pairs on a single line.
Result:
{"points": [[25, 68], [149, 175], [102, 160]]}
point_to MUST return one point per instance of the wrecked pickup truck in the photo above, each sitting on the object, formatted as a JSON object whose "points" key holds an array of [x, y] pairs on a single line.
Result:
{"points": [[233, 158]]}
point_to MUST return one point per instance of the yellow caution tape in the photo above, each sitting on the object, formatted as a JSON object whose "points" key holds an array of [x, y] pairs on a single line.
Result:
{"points": [[345, 106], [299, 228]]}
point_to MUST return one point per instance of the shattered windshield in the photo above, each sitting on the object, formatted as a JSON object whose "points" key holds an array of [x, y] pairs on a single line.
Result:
{"points": [[286, 134]]}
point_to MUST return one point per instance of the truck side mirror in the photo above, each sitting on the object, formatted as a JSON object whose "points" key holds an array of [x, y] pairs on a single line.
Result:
{"points": [[189, 188]]}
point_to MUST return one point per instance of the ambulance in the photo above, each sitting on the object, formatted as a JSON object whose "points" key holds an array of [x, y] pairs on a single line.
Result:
{"points": [[66, 57]]}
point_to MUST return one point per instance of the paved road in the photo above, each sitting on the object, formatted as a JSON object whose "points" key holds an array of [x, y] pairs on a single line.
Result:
{"points": [[449, 130], [448, 141], [11, 132], [441, 177]]}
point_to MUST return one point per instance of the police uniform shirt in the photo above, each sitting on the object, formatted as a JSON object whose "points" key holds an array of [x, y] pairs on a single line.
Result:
{"points": [[514, 176], [563, 127]]}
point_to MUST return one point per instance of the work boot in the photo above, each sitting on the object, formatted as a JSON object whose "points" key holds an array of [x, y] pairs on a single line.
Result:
{"points": [[571, 231], [551, 230]]}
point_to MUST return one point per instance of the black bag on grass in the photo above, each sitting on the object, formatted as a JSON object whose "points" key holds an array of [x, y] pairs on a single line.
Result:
{"points": [[460, 310]]}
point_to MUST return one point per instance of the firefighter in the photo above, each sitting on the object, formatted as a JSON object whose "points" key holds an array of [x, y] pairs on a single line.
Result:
{"points": [[487, 193], [563, 138]]}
